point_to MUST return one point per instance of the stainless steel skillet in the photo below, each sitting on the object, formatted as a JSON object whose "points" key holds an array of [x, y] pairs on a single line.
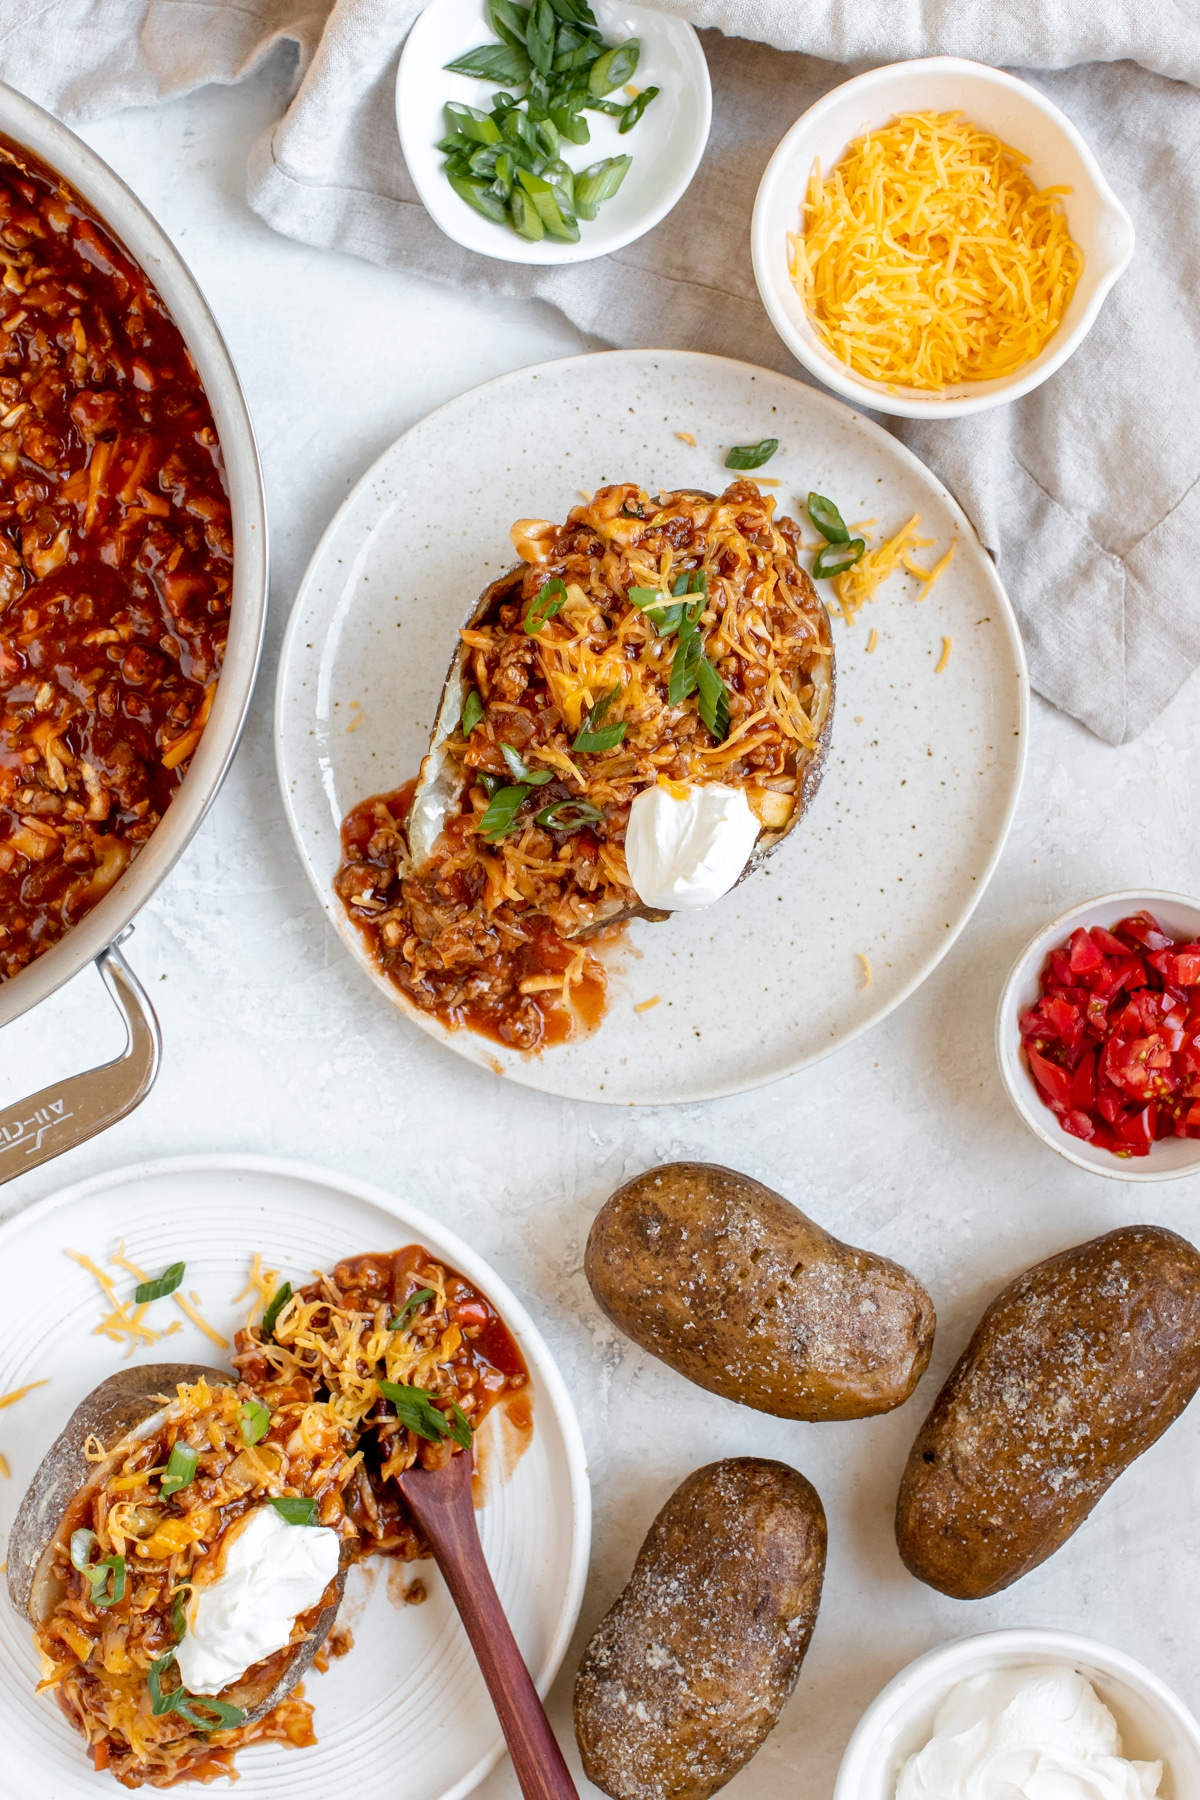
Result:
{"points": [[45, 1124]]}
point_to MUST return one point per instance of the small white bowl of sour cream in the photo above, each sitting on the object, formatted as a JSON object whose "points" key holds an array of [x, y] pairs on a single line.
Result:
{"points": [[1014, 111], [1155, 1725]]}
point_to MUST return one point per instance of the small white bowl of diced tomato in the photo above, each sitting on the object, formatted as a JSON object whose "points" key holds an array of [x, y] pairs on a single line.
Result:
{"points": [[1098, 1035]]}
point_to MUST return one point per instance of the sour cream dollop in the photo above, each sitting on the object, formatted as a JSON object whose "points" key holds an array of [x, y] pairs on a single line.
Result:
{"points": [[687, 852], [270, 1573], [1026, 1734]]}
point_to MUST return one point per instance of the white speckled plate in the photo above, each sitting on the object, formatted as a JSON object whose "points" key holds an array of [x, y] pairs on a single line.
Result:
{"points": [[921, 781], [406, 1712]]}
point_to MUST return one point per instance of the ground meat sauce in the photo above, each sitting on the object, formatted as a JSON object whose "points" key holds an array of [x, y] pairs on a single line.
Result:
{"points": [[372, 843], [484, 1367], [115, 559]]}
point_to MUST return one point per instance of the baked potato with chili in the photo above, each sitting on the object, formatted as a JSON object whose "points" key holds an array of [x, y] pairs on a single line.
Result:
{"points": [[1075, 1369], [130, 1515], [560, 711], [736, 1289], [689, 1670]]}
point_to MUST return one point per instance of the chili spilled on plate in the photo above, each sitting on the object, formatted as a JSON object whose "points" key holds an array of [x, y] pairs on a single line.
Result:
{"points": [[634, 716], [115, 559]]}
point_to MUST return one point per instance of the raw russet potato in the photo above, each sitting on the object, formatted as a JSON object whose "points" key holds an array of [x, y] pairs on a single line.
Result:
{"points": [[125, 1405], [1075, 1369], [689, 1670], [735, 1288]]}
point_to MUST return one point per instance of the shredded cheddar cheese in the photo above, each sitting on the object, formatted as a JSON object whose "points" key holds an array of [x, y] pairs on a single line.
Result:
{"points": [[684, 437], [928, 257], [863, 579], [645, 1005], [125, 1323], [5, 1471], [872, 642], [868, 971], [20, 1393], [261, 1284], [947, 646]]}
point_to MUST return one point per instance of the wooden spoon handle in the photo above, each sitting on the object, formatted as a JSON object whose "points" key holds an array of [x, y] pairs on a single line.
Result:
{"points": [[446, 1514]]}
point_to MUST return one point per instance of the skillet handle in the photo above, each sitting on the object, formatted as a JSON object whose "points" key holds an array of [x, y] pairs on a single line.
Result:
{"points": [[71, 1111]]}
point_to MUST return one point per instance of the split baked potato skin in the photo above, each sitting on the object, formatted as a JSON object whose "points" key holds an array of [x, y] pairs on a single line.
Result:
{"points": [[738, 1290], [112, 1412], [690, 1669], [1074, 1370]]}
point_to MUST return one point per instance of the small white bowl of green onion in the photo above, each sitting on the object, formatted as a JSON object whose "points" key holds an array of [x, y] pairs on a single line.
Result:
{"points": [[554, 132]]}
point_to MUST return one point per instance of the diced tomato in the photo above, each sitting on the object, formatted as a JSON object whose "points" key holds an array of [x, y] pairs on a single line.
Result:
{"points": [[1113, 1039], [1060, 967], [1138, 1127], [1085, 957], [1083, 1084], [1054, 1081], [1187, 966], [1143, 929]]}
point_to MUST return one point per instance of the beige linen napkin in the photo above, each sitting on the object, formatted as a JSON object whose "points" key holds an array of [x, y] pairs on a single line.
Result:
{"points": [[1086, 492]]}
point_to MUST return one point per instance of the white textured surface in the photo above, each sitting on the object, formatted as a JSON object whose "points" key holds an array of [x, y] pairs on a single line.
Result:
{"points": [[905, 1141]]}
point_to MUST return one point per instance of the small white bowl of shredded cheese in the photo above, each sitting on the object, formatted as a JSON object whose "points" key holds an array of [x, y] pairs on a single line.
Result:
{"points": [[1056, 157], [1023, 1711]]}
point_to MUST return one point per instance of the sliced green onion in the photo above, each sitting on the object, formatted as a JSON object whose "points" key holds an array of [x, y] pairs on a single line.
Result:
{"points": [[166, 1284], [834, 559], [489, 783], [501, 814], [461, 1430], [684, 665], [752, 456], [254, 1421], [827, 519], [472, 712], [160, 1703], [83, 1546], [635, 109], [595, 185], [279, 1300], [416, 1410], [295, 1509], [410, 1306], [549, 602], [569, 815], [509, 22], [713, 702], [645, 597], [571, 124], [480, 127], [478, 194], [541, 35], [179, 1614], [102, 1594], [527, 220], [614, 69], [185, 1705], [493, 62], [592, 735], [521, 771], [181, 1469]]}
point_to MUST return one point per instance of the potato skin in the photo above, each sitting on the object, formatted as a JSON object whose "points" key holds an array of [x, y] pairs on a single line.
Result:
{"points": [[689, 1670], [735, 1288], [1075, 1369]]}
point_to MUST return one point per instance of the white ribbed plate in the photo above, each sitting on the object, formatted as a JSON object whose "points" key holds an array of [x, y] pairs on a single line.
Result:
{"points": [[922, 776], [406, 1712]]}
